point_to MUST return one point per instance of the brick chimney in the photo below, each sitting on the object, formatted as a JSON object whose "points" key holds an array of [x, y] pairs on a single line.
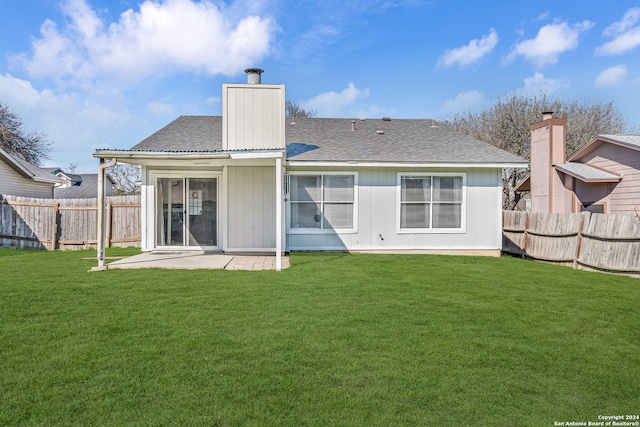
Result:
{"points": [[548, 147]]}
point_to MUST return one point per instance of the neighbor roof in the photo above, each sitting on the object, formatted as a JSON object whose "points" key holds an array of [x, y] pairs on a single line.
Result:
{"points": [[335, 140], [628, 141], [84, 182], [587, 173], [27, 169]]}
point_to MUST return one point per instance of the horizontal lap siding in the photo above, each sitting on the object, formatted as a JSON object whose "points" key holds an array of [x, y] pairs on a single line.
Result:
{"points": [[378, 215], [625, 196], [12, 183]]}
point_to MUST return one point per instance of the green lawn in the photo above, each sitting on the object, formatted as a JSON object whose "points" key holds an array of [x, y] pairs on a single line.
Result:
{"points": [[337, 339]]}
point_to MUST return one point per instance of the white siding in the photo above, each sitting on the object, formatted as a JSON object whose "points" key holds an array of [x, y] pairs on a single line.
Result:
{"points": [[251, 208], [12, 183], [378, 216], [253, 117]]}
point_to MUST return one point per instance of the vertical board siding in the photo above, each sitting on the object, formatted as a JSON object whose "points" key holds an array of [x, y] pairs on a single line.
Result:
{"points": [[66, 223], [584, 240], [254, 117], [378, 215], [251, 208]]}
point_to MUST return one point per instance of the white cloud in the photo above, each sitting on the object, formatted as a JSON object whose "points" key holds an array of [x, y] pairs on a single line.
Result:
{"points": [[334, 104], [161, 38], [538, 83], [551, 41], [625, 34], [464, 101], [75, 126], [159, 108], [214, 100], [472, 52], [613, 76]]}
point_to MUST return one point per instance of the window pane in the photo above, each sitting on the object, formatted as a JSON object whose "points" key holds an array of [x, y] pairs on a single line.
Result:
{"points": [[338, 188], [305, 188], [447, 215], [338, 215], [416, 189], [202, 212], [415, 215], [447, 188], [305, 215]]}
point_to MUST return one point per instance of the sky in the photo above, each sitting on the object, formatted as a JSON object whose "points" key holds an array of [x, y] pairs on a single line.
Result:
{"points": [[96, 74]]}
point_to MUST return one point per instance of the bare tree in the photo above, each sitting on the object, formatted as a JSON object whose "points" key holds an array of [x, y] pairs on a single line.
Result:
{"points": [[293, 109], [125, 179], [506, 124], [30, 146]]}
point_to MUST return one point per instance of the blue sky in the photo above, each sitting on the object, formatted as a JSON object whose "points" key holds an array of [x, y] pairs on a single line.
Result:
{"points": [[107, 73]]}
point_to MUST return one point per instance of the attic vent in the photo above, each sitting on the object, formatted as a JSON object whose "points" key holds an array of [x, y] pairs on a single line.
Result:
{"points": [[380, 132], [386, 119]]}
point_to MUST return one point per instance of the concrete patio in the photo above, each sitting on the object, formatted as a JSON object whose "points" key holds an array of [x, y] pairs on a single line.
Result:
{"points": [[198, 260]]}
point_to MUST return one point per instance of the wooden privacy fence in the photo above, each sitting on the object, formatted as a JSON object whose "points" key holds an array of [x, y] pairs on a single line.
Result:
{"points": [[67, 223], [582, 240]]}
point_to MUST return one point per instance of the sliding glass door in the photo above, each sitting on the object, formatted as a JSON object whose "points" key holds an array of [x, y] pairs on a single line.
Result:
{"points": [[187, 212]]}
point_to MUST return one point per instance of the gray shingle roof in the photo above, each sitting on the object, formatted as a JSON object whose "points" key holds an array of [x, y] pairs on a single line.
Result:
{"points": [[186, 133], [397, 140], [333, 140], [586, 173], [86, 182], [630, 140], [34, 172]]}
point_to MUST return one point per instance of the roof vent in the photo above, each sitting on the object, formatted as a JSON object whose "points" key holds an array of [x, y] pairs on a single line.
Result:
{"points": [[386, 119], [253, 75], [353, 125], [379, 132]]}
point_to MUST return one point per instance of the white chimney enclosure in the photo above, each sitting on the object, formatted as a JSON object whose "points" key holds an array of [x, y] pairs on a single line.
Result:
{"points": [[253, 116]]}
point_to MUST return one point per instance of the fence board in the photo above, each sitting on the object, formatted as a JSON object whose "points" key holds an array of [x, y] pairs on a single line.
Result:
{"points": [[65, 223], [585, 240]]}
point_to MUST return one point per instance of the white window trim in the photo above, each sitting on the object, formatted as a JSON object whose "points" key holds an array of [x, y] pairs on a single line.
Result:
{"points": [[463, 213], [353, 230]]}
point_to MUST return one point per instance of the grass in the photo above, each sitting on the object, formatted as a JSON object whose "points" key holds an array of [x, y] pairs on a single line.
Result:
{"points": [[346, 340]]}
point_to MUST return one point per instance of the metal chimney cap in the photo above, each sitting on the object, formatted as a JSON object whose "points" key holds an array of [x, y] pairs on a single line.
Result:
{"points": [[547, 115], [253, 75]]}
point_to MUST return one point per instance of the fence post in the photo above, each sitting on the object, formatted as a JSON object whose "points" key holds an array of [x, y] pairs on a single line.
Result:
{"points": [[56, 225]]}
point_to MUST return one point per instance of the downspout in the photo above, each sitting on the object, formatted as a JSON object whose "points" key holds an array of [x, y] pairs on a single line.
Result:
{"points": [[101, 210]]}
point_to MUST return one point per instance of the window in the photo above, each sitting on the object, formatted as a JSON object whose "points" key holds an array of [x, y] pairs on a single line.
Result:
{"points": [[431, 201], [593, 208], [323, 202]]}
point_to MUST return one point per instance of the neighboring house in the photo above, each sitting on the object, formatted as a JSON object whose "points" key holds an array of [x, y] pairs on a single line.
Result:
{"points": [[601, 177], [255, 181], [21, 178], [77, 186]]}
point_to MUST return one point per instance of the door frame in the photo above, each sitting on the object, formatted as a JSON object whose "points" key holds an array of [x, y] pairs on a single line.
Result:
{"points": [[185, 175]]}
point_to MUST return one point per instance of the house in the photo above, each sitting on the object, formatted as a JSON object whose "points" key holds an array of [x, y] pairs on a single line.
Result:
{"points": [[21, 178], [77, 186], [255, 181], [601, 177]]}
